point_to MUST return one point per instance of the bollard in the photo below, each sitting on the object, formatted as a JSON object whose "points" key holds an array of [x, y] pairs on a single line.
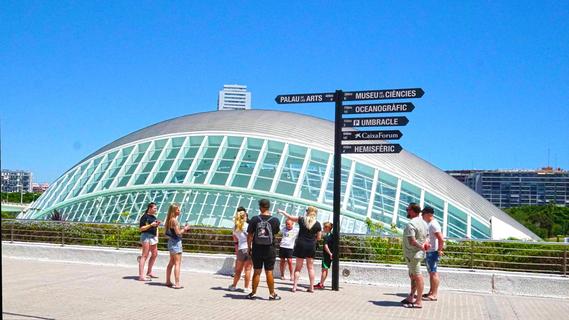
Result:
{"points": [[471, 254], [62, 234], [565, 261], [118, 236]]}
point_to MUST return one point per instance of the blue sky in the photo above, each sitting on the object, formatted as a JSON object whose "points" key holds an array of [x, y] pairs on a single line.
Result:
{"points": [[75, 76]]}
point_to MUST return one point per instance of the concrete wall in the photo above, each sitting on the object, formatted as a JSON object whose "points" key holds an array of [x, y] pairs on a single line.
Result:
{"points": [[499, 282]]}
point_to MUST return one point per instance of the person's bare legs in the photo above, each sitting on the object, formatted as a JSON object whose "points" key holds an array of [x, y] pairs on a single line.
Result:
{"points": [[154, 252], [270, 282], [238, 270], [310, 267], [248, 266], [299, 262], [289, 262], [282, 267], [411, 296], [256, 279], [142, 261], [419, 284], [323, 276], [434, 281], [169, 270], [177, 265]]}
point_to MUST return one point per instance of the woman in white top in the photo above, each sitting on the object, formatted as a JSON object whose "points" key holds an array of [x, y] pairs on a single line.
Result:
{"points": [[243, 258]]}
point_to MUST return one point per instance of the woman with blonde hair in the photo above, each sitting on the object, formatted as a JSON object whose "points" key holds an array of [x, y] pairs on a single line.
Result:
{"points": [[243, 260], [174, 233], [305, 247]]}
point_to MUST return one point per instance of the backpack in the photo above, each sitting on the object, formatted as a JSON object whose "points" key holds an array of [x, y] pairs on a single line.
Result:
{"points": [[264, 232]]}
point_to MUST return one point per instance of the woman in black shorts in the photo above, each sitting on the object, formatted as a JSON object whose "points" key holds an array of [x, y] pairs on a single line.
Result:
{"points": [[305, 247]]}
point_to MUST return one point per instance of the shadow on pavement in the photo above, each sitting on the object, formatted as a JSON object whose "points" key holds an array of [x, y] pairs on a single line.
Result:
{"points": [[157, 284], [387, 303], [225, 289], [23, 316], [237, 296], [131, 278]]}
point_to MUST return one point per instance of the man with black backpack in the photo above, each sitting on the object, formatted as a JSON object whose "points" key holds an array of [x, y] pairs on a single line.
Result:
{"points": [[261, 242]]}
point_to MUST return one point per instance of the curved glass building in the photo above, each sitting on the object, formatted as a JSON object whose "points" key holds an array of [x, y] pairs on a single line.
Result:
{"points": [[211, 163]]}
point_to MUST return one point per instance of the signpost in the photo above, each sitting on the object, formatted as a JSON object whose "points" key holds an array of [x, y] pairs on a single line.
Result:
{"points": [[371, 135], [375, 122], [364, 137], [384, 94], [305, 98], [372, 148], [379, 108]]}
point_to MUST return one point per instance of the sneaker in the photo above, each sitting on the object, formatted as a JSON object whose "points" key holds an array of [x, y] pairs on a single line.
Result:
{"points": [[232, 288]]}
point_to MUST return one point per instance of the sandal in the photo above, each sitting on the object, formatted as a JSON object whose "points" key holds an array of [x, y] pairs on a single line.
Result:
{"points": [[177, 287], [151, 276], [251, 296], [413, 306], [427, 298], [169, 285], [405, 301], [275, 297]]}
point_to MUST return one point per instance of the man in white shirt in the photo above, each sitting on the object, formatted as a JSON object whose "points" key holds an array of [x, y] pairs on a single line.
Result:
{"points": [[435, 251]]}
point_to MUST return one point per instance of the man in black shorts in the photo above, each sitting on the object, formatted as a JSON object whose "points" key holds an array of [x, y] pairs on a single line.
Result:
{"points": [[261, 242]]}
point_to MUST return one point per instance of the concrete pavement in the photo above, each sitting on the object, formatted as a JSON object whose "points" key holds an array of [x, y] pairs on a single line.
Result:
{"points": [[34, 289]]}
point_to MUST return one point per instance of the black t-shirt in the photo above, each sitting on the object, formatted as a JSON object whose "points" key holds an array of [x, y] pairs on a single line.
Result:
{"points": [[275, 226], [147, 219], [308, 235]]}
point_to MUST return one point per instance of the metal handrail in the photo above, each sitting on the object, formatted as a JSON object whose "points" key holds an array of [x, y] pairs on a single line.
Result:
{"points": [[543, 257]]}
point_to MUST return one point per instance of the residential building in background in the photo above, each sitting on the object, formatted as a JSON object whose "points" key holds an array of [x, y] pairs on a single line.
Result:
{"points": [[40, 187], [514, 188], [16, 181], [234, 97]]}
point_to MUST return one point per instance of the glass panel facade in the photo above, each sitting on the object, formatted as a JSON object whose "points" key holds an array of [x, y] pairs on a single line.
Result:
{"points": [[291, 170], [409, 193], [384, 202], [456, 223]]}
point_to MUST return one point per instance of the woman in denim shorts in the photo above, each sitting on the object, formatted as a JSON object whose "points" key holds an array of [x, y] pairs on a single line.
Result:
{"points": [[149, 241], [174, 233], [243, 260]]}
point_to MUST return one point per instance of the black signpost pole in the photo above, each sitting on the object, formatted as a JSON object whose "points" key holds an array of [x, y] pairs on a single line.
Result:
{"points": [[338, 98]]}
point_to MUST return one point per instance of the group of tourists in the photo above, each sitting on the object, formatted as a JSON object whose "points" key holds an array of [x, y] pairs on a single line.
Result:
{"points": [[422, 240], [256, 248]]}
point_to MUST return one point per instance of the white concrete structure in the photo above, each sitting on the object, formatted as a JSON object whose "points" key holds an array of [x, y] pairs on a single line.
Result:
{"points": [[211, 163]]}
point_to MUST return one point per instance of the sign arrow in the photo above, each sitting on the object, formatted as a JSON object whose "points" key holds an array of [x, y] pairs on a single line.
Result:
{"points": [[305, 98], [372, 148], [371, 135], [384, 94], [374, 122], [379, 108]]}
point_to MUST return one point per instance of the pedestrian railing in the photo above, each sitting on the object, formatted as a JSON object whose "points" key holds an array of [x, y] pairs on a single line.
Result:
{"points": [[537, 257]]}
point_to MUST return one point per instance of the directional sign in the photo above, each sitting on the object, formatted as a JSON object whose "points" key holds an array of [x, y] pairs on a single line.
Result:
{"points": [[384, 94], [379, 108], [371, 135], [305, 98], [371, 148], [375, 122]]}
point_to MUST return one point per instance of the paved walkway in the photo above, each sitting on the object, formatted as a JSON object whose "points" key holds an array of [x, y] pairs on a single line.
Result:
{"points": [[34, 289]]}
